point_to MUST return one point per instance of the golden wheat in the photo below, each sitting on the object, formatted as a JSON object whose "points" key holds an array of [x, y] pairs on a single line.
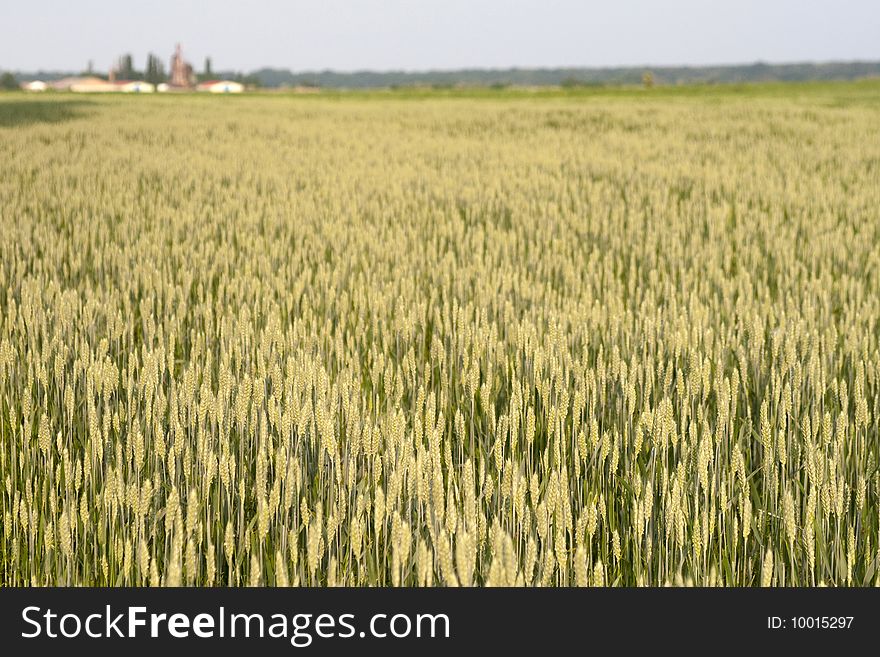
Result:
{"points": [[602, 339]]}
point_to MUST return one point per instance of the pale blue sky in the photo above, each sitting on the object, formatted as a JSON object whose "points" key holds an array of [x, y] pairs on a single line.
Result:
{"points": [[436, 34]]}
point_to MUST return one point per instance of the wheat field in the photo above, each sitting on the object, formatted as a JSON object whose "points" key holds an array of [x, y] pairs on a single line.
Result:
{"points": [[603, 338]]}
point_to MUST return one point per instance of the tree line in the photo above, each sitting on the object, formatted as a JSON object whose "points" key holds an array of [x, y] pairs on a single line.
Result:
{"points": [[154, 70]]}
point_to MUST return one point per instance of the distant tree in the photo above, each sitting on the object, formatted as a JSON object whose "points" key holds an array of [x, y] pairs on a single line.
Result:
{"points": [[208, 72], [90, 69], [250, 80], [648, 79], [125, 71], [155, 71], [8, 81]]}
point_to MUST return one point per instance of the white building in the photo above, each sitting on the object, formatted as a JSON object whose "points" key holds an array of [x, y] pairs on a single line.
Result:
{"points": [[135, 86], [67, 84], [92, 85], [34, 85], [97, 85], [220, 87]]}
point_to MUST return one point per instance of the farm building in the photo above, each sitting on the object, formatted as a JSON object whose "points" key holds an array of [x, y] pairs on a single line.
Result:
{"points": [[34, 85], [91, 85], [134, 86], [66, 84], [220, 87], [97, 85]]}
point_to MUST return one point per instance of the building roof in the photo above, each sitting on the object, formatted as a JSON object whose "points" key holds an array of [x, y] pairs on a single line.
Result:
{"points": [[209, 82], [65, 83]]}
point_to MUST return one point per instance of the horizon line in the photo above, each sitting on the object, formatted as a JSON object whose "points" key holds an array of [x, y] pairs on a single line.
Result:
{"points": [[756, 62]]}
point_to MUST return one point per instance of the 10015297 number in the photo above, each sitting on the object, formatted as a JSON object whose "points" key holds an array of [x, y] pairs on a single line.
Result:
{"points": [[810, 622]]}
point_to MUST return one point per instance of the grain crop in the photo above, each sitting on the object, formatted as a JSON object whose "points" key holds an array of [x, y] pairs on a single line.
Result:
{"points": [[503, 339]]}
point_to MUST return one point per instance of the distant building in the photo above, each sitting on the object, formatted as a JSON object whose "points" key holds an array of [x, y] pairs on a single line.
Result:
{"points": [[97, 85], [182, 75], [162, 87], [66, 84], [220, 87], [34, 85], [134, 86], [92, 85]]}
